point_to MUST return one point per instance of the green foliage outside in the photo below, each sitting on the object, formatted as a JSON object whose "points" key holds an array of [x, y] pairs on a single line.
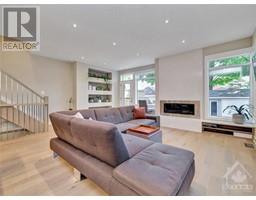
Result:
{"points": [[149, 78], [224, 79], [230, 61]]}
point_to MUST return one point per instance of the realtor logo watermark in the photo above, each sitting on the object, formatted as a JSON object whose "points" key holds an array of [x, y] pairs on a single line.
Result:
{"points": [[21, 28], [237, 178]]}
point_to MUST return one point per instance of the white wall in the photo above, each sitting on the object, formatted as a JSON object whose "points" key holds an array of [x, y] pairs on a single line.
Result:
{"points": [[80, 85], [52, 76], [180, 77]]}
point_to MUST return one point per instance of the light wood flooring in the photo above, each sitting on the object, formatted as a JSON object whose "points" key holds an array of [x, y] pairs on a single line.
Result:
{"points": [[27, 166]]}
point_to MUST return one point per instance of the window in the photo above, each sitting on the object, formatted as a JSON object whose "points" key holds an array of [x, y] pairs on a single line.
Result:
{"points": [[228, 83], [126, 77], [126, 89], [139, 85], [146, 88], [254, 64]]}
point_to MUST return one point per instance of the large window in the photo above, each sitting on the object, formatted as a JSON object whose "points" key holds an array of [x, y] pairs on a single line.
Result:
{"points": [[146, 88], [136, 86], [229, 82], [126, 89]]}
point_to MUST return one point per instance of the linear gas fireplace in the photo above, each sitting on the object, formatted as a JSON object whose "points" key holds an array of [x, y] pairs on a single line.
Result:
{"points": [[180, 108]]}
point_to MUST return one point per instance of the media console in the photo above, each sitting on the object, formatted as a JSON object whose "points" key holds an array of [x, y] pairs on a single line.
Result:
{"points": [[239, 130]]}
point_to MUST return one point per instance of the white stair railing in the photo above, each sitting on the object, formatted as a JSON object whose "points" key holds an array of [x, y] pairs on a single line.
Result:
{"points": [[22, 106]]}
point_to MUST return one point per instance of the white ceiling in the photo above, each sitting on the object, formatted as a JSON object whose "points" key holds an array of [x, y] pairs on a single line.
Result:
{"points": [[138, 29]]}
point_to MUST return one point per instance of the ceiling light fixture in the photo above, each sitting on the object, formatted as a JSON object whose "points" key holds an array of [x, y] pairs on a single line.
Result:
{"points": [[114, 43], [104, 63], [183, 41], [137, 54], [74, 25], [166, 21], [82, 57]]}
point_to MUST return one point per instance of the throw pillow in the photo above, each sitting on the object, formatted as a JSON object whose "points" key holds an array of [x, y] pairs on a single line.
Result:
{"points": [[139, 113], [78, 115]]}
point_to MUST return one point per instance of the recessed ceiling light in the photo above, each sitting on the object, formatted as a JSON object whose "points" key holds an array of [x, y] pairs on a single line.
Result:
{"points": [[137, 54], [114, 43], [82, 57], [183, 41], [104, 63], [166, 21], [74, 25]]}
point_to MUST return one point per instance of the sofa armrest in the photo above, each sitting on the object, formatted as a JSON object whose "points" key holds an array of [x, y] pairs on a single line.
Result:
{"points": [[154, 117]]}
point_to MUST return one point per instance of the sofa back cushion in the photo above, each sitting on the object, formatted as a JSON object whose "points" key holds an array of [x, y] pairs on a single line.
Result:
{"points": [[61, 125], [87, 113], [111, 115], [127, 113], [99, 139]]}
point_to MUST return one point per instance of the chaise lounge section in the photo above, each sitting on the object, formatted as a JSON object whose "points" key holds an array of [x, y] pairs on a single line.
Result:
{"points": [[120, 164]]}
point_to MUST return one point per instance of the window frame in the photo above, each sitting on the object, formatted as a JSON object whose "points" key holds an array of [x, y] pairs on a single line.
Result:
{"points": [[206, 80], [134, 83]]}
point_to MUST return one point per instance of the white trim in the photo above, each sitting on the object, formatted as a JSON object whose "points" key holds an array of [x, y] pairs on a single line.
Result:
{"points": [[227, 54]]}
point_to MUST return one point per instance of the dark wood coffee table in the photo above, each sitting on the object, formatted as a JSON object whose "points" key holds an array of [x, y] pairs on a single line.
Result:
{"points": [[148, 132]]}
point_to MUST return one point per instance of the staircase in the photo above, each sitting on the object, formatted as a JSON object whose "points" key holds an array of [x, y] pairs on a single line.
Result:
{"points": [[21, 108]]}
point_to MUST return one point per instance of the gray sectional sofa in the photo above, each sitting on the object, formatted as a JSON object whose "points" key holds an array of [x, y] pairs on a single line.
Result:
{"points": [[120, 164], [122, 117]]}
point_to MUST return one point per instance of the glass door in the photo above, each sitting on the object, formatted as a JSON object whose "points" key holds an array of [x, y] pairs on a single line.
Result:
{"points": [[126, 93]]}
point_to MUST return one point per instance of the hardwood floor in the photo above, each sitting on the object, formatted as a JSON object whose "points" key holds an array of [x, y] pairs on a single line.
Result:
{"points": [[27, 166]]}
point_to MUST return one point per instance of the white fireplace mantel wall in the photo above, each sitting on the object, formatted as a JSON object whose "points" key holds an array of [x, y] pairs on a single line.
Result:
{"points": [[172, 71], [180, 77]]}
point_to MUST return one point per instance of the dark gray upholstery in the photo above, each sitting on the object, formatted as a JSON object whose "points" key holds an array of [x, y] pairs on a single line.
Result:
{"points": [[96, 170], [135, 144], [121, 164], [87, 113], [100, 139], [124, 126], [142, 121], [161, 169], [127, 113], [111, 115]]}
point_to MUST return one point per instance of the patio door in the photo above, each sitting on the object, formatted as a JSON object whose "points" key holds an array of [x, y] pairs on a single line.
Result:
{"points": [[127, 93]]}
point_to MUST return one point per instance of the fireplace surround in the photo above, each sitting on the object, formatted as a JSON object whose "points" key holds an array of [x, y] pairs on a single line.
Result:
{"points": [[180, 108]]}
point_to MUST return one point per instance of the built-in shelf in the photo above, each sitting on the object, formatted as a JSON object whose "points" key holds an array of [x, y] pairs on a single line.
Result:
{"points": [[99, 88], [99, 80], [100, 104], [99, 92]]}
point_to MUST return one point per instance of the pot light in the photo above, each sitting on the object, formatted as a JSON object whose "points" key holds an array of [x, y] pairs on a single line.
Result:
{"points": [[137, 54], [183, 41], [104, 63], [74, 25], [82, 57], [166, 21], [114, 43]]}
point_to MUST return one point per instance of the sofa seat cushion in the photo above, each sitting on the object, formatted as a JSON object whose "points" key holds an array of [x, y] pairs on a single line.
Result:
{"points": [[142, 121], [157, 170], [124, 126], [111, 115], [135, 144]]}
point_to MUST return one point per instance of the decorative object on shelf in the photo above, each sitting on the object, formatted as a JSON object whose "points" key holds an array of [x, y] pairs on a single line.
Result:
{"points": [[100, 89], [70, 102], [239, 114], [106, 79]]}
